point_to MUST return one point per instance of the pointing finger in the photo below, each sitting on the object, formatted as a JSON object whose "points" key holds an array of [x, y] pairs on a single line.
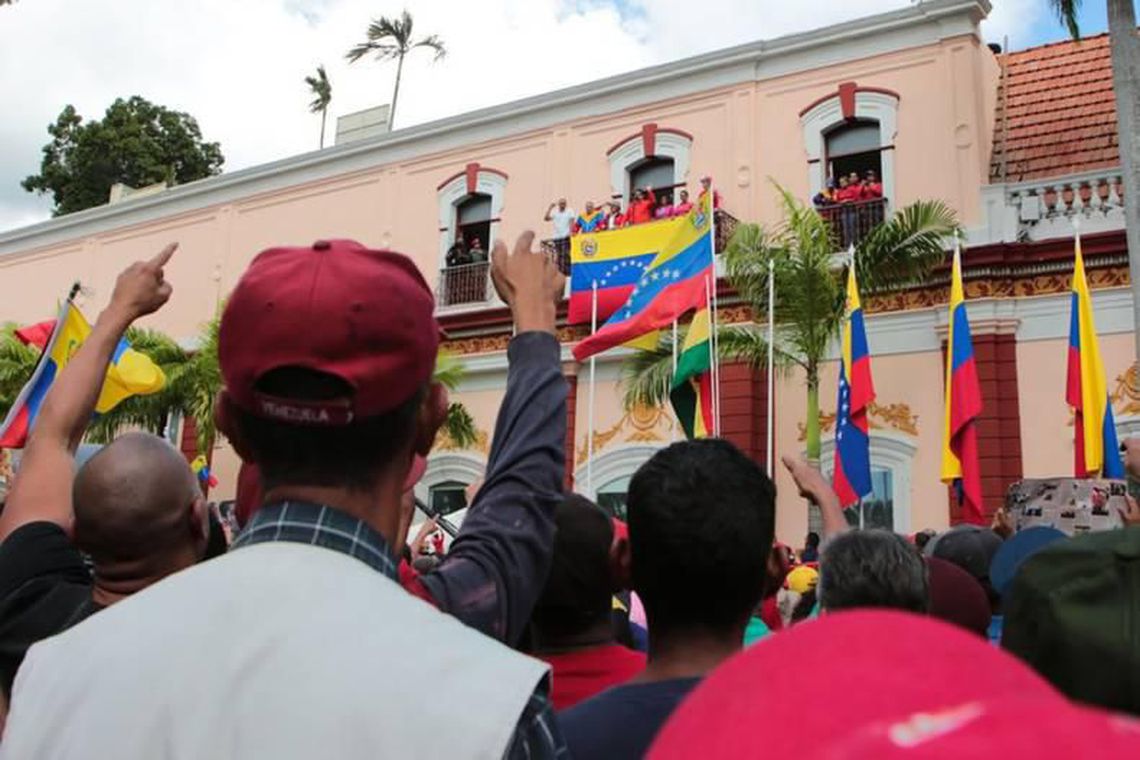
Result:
{"points": [[164, 255]]}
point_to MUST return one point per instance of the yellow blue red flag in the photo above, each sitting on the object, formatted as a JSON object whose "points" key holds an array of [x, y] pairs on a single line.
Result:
{"points": [[960, 465], [673, 283], [1096, 449], [851, 476], [129, 374]]}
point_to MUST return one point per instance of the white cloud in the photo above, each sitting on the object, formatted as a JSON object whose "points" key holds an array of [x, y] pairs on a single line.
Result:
{"points": [[238, 67]]}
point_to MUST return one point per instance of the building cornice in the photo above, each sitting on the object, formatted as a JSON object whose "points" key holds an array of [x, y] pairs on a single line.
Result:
{"points": [[924, 23]]}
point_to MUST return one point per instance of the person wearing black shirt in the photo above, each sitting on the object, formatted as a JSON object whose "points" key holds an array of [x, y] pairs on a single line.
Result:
{"points": [[134, 507]]}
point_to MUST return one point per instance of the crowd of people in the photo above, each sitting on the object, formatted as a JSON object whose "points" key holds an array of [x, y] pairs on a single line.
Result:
{"points": [[645, 205], [851, 188], [546, 629]]}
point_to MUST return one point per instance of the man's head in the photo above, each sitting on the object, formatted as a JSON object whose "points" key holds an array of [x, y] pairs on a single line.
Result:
{"points": [[561, 204], [684, 196], [706, 182], [701, 523], [638, 194], [615, 207], [476, 243], [853, 178], [872, 568], [138, 509], [843, 181], [870, 175], [579, 589], [812, 541], [327, 355], [589, 207]]}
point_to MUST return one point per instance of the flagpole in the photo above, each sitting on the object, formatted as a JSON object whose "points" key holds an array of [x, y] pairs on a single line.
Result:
{"points": [[593, 377], [771, 356], [715, 343], [673, 434]]}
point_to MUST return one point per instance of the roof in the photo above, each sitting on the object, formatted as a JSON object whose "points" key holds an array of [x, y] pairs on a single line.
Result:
{"points": [[1062, 111]]}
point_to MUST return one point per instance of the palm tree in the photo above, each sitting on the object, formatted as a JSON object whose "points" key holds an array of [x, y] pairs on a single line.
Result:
{"points": [[810, 298], [321, 89], [459, 425], [1125, 46], [391, 39]]}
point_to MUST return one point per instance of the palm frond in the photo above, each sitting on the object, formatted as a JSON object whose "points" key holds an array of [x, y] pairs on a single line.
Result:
{"points": [[460, 426], [448, 370], [321, 88], [1067, 12], [905, 247], [435, 43]]}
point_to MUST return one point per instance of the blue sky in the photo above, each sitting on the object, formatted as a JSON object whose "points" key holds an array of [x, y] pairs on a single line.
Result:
{"points": [[1092, 20]]}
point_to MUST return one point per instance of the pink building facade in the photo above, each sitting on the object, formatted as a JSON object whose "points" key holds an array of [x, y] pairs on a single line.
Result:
{"points": [[916, 92]]}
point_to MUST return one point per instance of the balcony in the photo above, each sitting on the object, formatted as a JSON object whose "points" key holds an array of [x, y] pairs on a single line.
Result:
{"points": [[464, 284], [1046, 208], [851, 222], [726, 224]]}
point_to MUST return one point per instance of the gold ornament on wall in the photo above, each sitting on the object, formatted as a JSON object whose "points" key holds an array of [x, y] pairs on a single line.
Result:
{"points": [[640, 425], [443, 442], [1126, 396], [879, 417]]}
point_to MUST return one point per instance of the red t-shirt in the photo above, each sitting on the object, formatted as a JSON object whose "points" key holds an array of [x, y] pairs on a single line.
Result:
{"points": [[577, 676]]}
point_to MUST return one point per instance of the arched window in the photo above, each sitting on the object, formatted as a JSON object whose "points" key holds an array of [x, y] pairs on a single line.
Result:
{"points": [[854, 148], [656, 172], [448, 497], [612, 497], [888, 506], [473, 220]]}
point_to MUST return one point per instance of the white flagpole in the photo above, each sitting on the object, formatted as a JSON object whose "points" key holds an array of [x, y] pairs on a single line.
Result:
{"points": [[771, 356], [713, 316], [590, 401], [673, 434]]}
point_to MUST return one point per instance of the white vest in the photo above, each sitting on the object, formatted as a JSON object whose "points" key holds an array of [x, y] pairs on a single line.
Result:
{"points": [[277, 650]]}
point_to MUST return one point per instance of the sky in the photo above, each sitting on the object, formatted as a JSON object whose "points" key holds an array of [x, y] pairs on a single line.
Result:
{"points": [[239, 67]]}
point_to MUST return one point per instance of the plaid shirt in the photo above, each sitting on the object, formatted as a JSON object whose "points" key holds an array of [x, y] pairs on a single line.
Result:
{"points": [[537, 734]]}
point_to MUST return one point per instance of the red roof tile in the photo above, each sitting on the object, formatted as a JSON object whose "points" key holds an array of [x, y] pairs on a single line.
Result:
{"points": [[1061, 110]]}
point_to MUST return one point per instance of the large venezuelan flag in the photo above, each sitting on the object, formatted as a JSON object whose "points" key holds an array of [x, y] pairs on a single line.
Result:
{"points": [[673, 283], [615, 260], [1096, 451], [963, 405], [130, 373], [852, 472]]}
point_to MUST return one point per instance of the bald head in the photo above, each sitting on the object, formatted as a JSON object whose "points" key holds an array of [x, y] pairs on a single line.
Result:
{"points": [[135, 503]]}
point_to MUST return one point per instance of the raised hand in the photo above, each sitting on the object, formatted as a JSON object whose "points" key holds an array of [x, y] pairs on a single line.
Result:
{"points": [[528, 282], [141, 288]]}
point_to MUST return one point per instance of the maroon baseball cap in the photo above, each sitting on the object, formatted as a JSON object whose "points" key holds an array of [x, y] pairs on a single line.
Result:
{"points": [[364, 316]]}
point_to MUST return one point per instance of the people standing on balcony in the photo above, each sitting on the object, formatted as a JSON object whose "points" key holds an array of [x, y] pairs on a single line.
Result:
{"points": [[706, 185], [457, 254], [477, 253], [589, 220], [872, 188], [641, 208], [826, 196], [685, 206], [614, 219], [561, 218]]}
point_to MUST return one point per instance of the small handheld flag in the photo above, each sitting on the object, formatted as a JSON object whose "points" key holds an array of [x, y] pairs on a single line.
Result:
{"points": [[692, 392], [1096, 451], [130, 373], [963, 404], [852, 471]]}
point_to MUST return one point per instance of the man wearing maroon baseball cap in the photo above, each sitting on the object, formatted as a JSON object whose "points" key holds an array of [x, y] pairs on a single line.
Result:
{"points": [[327, 354]]}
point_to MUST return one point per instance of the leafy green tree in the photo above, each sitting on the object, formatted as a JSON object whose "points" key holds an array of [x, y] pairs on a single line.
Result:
{"points": [[17, 362], [321, 89], [391, 39], [810, 292], [1124, 44], [136, 143]]}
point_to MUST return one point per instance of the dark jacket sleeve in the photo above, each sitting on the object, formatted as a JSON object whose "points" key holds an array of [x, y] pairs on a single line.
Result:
{"points": [[498, 563]]}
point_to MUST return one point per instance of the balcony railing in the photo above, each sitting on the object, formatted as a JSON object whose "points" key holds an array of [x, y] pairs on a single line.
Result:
{"points": [[851, 222], [1046, 208], [467, 283], [726, 224]]}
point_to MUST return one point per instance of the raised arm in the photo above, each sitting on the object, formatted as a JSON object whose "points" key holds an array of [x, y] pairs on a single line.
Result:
{"points": [[813, 487], [549, 209], [497, 564], [42, 487]]}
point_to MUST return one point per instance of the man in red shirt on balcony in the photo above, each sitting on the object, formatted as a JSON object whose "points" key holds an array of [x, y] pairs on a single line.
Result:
{"points": [[706, 184], [641, 207], [614, 218], [872, 188]]}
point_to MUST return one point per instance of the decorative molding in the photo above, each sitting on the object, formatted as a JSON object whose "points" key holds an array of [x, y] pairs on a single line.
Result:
{"points": [[1126, 396], [620, 462], [650, 142], [849, 103], [639, 425], [896, 416], [451, 466], [444, 442]]}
